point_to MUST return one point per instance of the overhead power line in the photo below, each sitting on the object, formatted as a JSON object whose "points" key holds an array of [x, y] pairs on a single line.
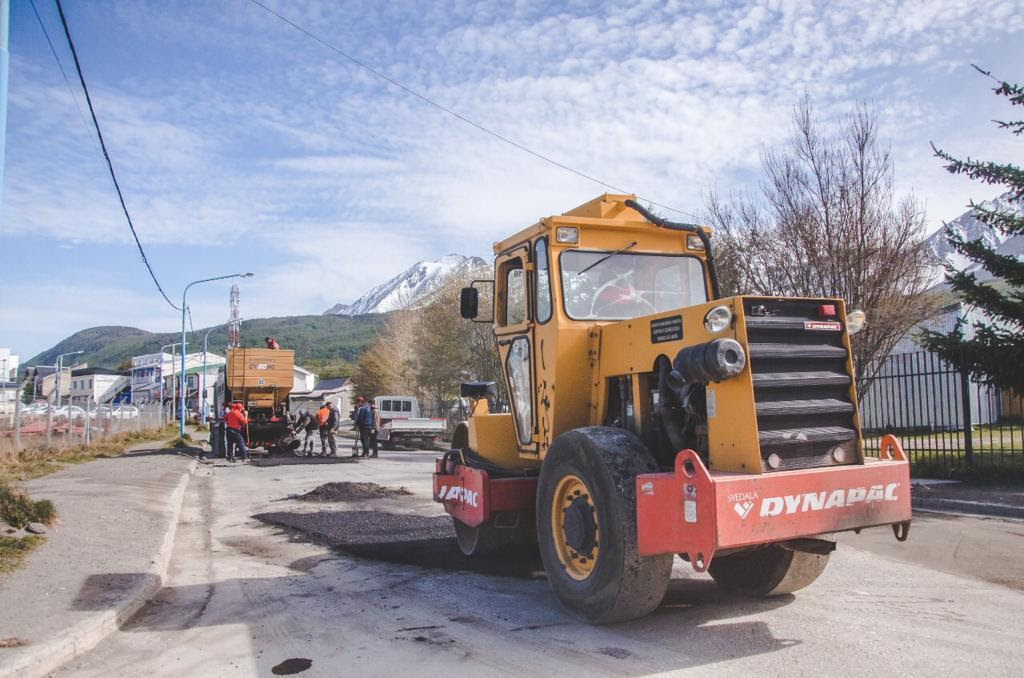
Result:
{"points": [[427, 100], [106, 156], [46, 34]]}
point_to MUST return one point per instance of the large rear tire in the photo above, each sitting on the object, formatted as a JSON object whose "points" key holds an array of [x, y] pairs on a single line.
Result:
{"points": [[767, 571], [505, 532], [586, 526]]}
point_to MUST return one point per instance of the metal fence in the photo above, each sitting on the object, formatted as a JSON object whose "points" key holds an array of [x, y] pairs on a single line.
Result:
{"points": [[941, 415], [79, 422]]}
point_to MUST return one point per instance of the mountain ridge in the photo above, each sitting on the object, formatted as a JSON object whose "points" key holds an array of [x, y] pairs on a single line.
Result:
{"points": [[410, 286], [326, 343], [969, 228]]}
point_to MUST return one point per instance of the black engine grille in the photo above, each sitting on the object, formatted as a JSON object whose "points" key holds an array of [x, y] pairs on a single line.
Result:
{"points": [[801, 386]]}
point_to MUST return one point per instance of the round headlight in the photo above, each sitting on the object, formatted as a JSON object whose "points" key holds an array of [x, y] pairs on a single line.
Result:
{"points": [[717, 319], [855, 321]]}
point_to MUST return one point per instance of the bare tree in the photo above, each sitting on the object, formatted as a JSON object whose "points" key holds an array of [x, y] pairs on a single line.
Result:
{"points": [[429, 350], [827, 223], [388, 365]]}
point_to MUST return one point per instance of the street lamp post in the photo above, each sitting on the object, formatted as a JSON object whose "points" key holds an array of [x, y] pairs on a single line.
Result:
{"points": [[60, 367], [49, 407], [162, 349], [181, 424], [202, 407]]}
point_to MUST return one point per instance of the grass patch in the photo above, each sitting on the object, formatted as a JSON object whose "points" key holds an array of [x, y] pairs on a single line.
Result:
{"points": [[182, 441], [13, 550], [17, 509], [980, 473], [984, 438], [33, 463]]}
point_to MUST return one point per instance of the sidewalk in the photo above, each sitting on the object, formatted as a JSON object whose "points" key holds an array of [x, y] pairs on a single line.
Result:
{"points": [[100, 563], [957, 497]]}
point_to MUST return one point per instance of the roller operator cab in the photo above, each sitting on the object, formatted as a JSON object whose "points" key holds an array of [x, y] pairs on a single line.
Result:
{"points": [[650, 417]]}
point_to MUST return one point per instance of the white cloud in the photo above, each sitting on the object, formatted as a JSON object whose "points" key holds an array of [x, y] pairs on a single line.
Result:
{"points": [[237, 128]]}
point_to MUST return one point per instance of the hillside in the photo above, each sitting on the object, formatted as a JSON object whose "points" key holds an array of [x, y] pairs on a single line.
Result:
{"points": [[327, 344]]}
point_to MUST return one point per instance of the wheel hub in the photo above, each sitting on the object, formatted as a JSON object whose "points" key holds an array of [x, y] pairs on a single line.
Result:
{"points": [[580, 526], [574, 527]]}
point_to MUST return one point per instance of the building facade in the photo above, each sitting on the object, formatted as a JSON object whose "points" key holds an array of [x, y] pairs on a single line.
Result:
{"points": [[98, 385], [149, 370], [8, 365], [304, 380], [340, 391], [915, 390]]}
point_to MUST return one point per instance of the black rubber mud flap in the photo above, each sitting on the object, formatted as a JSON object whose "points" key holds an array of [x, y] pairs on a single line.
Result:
{"points": [[618, 584]]}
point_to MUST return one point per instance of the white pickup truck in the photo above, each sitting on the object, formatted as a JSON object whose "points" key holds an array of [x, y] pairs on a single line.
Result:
{"points": [[402, 426]]}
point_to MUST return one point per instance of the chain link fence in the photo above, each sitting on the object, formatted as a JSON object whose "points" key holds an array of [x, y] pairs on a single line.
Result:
{"points": [[78, 422]]}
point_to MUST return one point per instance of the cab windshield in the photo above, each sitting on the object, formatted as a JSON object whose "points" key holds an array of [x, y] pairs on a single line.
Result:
{"points": [[628, 284]]}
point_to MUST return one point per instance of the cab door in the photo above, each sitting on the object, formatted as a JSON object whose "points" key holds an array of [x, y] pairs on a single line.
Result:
{"points": [[513, 330]]}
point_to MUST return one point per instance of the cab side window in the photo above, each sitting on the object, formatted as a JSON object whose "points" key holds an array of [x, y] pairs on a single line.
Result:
{"points": [[513, 294], [543, 300]]}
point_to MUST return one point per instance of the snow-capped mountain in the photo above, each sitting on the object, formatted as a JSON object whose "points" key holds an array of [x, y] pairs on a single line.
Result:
{"points": [[970, 228], [411, 286]]}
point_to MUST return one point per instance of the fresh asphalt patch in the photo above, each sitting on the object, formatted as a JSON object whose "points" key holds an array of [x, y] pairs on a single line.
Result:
{"points": [[424, 541], [348, 491]]}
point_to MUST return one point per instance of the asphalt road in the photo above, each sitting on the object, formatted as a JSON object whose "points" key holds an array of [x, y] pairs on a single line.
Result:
{"points": [[246, 596]]}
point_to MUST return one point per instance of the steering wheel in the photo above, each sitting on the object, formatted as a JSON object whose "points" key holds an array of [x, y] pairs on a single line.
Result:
{"points": [[629, 295]]}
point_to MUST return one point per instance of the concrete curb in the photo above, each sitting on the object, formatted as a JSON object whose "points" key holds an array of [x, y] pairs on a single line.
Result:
{"points": [[41, 659], [974, 508]]}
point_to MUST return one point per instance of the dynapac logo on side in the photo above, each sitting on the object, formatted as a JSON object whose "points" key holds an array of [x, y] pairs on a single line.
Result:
{"points": [[816, 501], [456, 493]]}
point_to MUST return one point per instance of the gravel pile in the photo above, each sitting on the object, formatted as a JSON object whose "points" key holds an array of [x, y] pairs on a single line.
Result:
{"points": [[347, 491]]}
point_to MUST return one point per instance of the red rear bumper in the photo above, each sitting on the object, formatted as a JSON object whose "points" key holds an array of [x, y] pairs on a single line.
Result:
{"points": [[471, 495], [697, 512]]}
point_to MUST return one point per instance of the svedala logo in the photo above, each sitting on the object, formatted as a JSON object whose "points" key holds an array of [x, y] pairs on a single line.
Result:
{"points": [[743, 508]]}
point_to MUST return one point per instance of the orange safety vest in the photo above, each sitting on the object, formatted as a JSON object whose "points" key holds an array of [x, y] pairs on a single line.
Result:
{"points": [[321, 415]]}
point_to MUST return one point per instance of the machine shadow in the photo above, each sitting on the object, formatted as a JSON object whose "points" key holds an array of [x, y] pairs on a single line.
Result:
{"points": [[694, 626], [690, 629]]}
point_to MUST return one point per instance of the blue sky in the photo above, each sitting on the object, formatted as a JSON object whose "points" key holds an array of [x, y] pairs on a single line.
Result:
{"points": [[242, 144]]}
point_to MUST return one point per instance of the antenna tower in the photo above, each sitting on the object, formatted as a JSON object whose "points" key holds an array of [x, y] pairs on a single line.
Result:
{"points": [[235, 320]]}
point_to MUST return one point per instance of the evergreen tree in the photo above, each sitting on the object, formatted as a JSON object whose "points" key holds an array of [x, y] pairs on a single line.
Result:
{"points": [[27, 392], [995, 354]]}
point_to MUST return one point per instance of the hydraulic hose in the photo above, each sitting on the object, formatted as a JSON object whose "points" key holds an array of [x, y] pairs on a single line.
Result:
{"points": [[688, 228]]}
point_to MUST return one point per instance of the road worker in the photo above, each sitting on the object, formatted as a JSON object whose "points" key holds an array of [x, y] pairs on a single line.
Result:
{"points": [[364, 425], [327, 418], [234, 423]]}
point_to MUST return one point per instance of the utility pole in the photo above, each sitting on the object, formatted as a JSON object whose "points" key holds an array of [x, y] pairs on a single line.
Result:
{"points": [[5, 16]]}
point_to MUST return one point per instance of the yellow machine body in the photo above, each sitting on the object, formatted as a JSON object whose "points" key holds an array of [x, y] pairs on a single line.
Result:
{"points": [[560, 370]]}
